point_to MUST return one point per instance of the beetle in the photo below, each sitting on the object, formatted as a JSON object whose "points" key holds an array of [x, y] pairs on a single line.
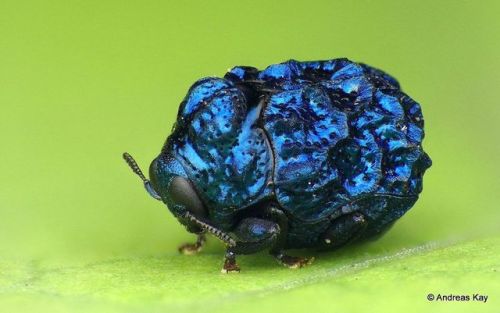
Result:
{"points": [[312, 154]]}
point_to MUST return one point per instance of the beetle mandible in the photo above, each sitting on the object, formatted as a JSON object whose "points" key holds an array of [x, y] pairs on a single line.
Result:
{"points": [[300, 155]]}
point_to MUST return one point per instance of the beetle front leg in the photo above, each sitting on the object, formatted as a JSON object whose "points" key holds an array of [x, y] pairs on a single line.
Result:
{"points": [[230, 265], [193, 248], [277, 250], [250, 235]]}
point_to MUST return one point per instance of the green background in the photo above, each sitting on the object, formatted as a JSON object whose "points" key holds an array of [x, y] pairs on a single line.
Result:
{"points": [[83, 81]]}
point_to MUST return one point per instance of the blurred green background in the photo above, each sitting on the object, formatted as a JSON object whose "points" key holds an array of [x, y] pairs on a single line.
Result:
{"points": [[83, 81]]}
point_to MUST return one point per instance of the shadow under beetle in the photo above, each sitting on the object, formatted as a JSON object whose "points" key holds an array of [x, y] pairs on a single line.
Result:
{"points": [[299, 155]]}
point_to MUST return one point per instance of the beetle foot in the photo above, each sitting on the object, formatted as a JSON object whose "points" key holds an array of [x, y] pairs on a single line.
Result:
{"points": [[293, 261], [193, 248], [189, 248], [230, 265]]}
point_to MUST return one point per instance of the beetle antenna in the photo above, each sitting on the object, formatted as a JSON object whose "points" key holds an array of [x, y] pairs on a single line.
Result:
{"points": [[212, 230], [135, 168], [147, 184]]}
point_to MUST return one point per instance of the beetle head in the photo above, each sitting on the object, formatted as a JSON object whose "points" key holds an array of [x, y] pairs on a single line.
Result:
{"points": [[170, 184]]}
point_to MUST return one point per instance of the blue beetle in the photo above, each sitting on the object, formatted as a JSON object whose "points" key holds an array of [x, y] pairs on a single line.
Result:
{"points": [[299, 155]]}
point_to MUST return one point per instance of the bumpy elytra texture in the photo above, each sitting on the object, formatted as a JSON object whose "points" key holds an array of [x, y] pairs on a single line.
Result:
{"points": [[321, 139]]}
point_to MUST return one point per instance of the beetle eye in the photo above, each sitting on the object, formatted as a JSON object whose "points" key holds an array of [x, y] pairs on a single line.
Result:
{"points": [[181, 192]]}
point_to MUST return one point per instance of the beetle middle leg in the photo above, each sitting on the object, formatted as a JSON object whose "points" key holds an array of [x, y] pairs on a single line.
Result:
{"points": [[277, 215]]}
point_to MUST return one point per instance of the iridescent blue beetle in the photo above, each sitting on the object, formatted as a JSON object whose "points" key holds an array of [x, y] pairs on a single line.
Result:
{"points": [[299, 155]]}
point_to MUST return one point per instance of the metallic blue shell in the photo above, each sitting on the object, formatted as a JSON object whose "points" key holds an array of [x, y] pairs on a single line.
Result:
{"points": [[319, 138]]}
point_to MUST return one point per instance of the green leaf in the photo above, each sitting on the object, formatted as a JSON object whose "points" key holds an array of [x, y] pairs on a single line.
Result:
{"points": [[359, 278]]}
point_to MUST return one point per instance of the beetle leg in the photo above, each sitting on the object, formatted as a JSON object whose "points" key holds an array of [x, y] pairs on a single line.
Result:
{"points": [[344, 230], [230, 265], [250, 235], [292, 261], [281, 219], [193, 248]]}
